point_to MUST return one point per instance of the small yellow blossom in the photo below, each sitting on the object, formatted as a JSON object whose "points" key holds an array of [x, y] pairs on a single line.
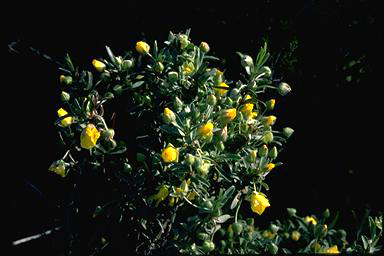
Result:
{"points": [[142, 47], [170, 154], [295, 235], [311, 220], [161, 195], [169, 116], [66, 121], [89, 136], [332, 250], [98, 65], [271, 104], [269, 166], [268, 234], [258, 203], [246, 110], [228, 115], [270, 120], [206, 130], [221, 92], [191, 195]]}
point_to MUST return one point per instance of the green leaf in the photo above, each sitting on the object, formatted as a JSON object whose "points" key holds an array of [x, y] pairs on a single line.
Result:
{"points": [[372, 227], [111, 55], [69, 63], [365, 242], [229, 156], [90, 80], [225, 197], [223, 218], [333, 223], [235, 200], [137, 84]]}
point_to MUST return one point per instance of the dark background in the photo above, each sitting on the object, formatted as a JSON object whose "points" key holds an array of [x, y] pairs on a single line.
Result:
{"points": [[332, 160]]}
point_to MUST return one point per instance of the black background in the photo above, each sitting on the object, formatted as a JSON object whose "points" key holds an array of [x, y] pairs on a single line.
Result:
{"points": [[332, 160]]}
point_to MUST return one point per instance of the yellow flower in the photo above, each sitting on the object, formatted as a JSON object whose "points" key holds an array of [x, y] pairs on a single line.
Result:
{"points": [[269, 166], [89, 137], [169, 116], [221, 92], [170, 154], [188, 68], [98, 65], [295, 235], [142, 47], [58, 167], [228, 115], [161, 195], [270, 120], [206, 130], [66, 121], [271, 104], [332, 250], [309, 219], [191, 195], [246, 110], [258, 203]]}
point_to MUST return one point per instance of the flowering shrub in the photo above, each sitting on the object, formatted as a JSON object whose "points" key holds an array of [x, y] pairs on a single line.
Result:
{"points": [[183, 147]]}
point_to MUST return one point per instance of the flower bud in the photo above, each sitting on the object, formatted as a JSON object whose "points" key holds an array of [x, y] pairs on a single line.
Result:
{"points": [[66, 79], [98, 65], [271, 104], [178, 104], [326, 213], [274, 228], [159, 67], [109, 95], [273, 153], [126, 64], [269, 120], [263, 151], [295, 235], [65, 96], [58, 167], [272, 248], [203, 168], [211, 100], [246, 61], [204, 47], [266, 70], [173, 76], [252, 156], [202, 236], [127, 167], [208, 246], [291, 212], [108, 134], [224, 134], [267, 137], [283, 88], [237, 228], [220, 146], [184, 41], [287, 132], [142, 47], [189, 159], [168, 116]]}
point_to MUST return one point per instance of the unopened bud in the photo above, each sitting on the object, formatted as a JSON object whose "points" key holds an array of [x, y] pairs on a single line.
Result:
{"points": [[274, 228], [283, 88], [65, 96], [268, 137], [211, 100], [246, 61], [126, 64], [173, 76], [266, 70], [159, 67], [271, 104], [66, 79], [234, 93], [189, 159], [108, 134], [263, 151], [287, 132], [204, 47], [272, 248], [326, 213], [291, 212], [178, 104], [273, 153]]}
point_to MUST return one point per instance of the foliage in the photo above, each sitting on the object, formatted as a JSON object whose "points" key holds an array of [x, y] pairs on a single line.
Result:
{"points": [[182, 147]]}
